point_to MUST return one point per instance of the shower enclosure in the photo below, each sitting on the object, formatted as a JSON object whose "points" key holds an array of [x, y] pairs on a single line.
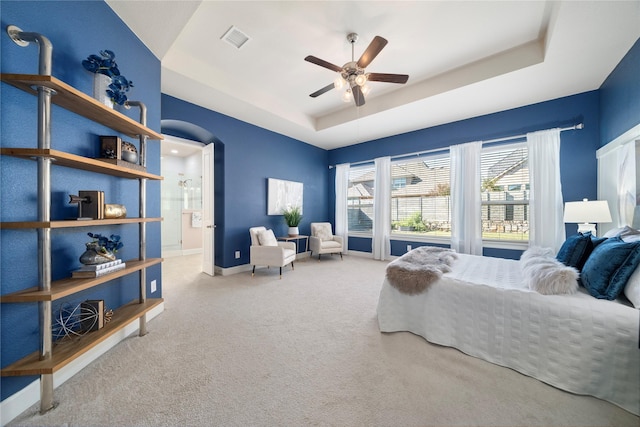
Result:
{"points": [[182, 204]]}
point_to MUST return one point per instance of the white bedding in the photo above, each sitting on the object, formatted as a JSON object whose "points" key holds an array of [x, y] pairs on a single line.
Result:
{"points": [[574, 342]]}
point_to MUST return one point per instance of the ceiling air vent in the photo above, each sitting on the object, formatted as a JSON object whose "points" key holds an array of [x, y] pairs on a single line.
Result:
{"points": [[235, 37]]}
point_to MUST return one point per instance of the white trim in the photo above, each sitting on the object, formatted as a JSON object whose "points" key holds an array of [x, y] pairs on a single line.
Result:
{"points": [[628, 136], [360, 254], [22, 400]]}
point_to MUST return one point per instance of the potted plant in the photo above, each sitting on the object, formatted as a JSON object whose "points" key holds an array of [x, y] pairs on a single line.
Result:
{"points": [[292, 217]]}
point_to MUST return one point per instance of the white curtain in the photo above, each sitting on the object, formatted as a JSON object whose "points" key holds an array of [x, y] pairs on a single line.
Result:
{"points": [[466, 207], [342, 215], [382, 209], [546, 228]]}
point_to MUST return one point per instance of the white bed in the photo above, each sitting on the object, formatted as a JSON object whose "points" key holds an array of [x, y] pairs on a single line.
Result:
{"points": [[574, 342]]}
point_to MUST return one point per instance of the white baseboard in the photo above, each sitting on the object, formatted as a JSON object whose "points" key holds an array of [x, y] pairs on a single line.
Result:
{"points": [[219, 271], [22, 400]]}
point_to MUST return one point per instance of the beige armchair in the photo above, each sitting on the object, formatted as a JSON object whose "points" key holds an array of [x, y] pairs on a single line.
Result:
{"points": [[322, 240], [266, 250]]}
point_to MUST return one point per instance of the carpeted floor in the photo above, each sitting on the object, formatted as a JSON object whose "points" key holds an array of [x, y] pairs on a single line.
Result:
{"points": [[301, 351]]}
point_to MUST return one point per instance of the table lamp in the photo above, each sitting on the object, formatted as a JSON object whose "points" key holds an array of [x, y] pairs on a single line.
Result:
{"points": [[586, 213]]}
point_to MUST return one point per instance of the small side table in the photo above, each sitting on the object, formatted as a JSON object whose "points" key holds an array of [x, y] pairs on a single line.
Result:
{"points": [[297, 239]]}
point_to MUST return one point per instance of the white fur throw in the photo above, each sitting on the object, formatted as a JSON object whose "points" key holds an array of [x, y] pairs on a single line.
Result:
{"points": [[415, 270], [544, 274]]}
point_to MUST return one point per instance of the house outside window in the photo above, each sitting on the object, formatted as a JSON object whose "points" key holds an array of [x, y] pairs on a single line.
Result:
{"points": [[421, 196], [422, 206], [360, 198], [397, 183], [505, 193]]}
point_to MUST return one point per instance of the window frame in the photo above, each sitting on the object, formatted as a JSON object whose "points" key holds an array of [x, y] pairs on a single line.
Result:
{"points": [[365, 167], [445, 152], [501, 243], [399, 236]]}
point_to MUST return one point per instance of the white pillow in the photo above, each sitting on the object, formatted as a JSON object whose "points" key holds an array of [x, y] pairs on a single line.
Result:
{"points": [[632, 288], [623, 232], [324, 232], [628, 238], [267, 238], [545, 274], [536, 251]]}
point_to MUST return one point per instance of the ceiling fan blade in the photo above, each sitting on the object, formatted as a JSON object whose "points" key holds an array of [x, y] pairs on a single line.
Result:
{"points": [[372, 51], [317, 93], [388, 78], [323, 63], [358, 96]]}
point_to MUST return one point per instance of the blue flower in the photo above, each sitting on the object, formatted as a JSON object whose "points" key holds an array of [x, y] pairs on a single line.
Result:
{"points": [[103, 64], [111, 244], [106, 64], [119, 85]]}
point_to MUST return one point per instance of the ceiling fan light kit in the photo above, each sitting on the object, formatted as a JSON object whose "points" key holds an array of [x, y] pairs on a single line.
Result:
{"points": [[353, 74]]}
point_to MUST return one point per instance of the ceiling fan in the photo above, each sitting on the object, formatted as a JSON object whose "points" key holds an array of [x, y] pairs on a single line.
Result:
{"points": [[353, 73]]}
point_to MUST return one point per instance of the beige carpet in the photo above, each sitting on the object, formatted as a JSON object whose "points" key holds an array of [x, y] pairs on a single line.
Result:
{"points": [[304, 350]]}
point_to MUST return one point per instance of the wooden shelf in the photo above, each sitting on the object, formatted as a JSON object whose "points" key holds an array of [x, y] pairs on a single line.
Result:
{"points": [[68, 350], [74, 223], [69, 286], [78, 162], [78, 102]]}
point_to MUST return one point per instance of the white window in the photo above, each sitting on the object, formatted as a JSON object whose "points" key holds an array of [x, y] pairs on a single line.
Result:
{"points": [[360, 198], [505, 193], [421, 205]]}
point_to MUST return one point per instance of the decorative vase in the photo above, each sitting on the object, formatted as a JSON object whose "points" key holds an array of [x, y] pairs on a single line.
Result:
{"points": [[101, 83], [293, 231], [129, 152], [93, 255], [112, 210]]}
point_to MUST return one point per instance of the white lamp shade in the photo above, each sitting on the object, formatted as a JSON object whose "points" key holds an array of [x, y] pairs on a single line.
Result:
{"points": [[594, 211]]}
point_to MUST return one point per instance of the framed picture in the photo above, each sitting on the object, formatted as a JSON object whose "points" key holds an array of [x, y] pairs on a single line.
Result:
{"points": [[283, 195]]}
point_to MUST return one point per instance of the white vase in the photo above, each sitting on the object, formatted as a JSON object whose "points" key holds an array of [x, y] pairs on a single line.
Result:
{"points": [[101, 83], [293, 231]]}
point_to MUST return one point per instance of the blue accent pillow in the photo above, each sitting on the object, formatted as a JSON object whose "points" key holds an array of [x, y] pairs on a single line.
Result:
{"points": [[596, 240], [608, 268], [575, 250]]}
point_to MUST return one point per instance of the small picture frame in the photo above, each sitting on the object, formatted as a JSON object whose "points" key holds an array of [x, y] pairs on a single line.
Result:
{"points": [[110, 147]]}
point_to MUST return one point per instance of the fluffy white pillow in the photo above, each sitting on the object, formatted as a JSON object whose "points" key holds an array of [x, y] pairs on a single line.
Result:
{"points": [[632, 288], [545, 274], [535, 252], [267, 238]]}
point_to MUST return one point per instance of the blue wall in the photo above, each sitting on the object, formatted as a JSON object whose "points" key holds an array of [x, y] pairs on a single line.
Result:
{"points": [[76, 30], [246, 156], [251, 155], [577, 153], [620, 97]]}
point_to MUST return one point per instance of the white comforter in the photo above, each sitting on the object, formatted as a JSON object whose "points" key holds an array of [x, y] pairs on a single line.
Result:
{"points": [[574, 342]]}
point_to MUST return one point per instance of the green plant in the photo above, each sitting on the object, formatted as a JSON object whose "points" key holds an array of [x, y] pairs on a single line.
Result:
{"points": [[292, 216]]}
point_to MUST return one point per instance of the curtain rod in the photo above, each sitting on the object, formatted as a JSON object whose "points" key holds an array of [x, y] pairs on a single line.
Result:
{"points": [[489, 141]]}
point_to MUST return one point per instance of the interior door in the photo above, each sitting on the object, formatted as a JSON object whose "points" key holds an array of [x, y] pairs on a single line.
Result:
{"points": [[208, 229]]}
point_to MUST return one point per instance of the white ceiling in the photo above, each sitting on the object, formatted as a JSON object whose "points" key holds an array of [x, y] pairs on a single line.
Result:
{"points": [[464, 59]]}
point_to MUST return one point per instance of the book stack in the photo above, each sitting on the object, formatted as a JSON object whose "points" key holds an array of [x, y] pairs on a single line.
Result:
{"points": [[97, 270]]}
